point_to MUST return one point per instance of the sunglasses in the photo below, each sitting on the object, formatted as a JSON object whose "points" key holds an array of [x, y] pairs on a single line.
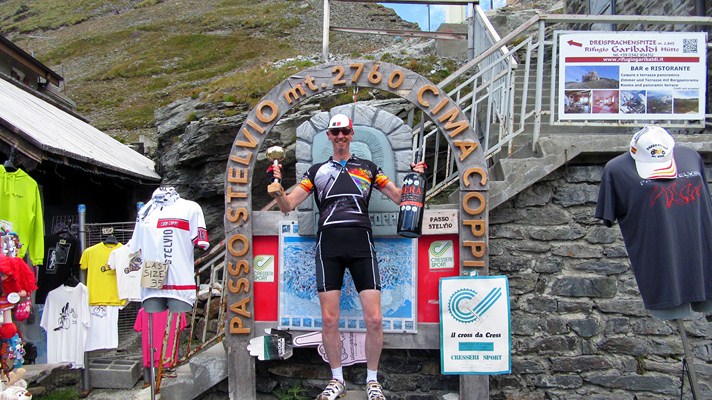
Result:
{"points": [[344, 131]]}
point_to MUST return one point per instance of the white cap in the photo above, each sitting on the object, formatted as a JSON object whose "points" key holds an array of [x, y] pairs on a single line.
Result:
{"points": [[340, 121], [652, 150]]}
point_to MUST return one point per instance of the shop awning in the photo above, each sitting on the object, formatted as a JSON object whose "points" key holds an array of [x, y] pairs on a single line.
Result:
{"points": [[40, 130]]}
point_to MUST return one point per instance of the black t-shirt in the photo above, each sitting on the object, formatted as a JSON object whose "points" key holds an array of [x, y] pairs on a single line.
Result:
{"points": [[341, 192], [666, 226], [62, 260]]}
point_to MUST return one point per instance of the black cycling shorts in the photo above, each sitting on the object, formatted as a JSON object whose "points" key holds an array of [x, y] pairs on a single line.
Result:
{"points": [[341, 248]]}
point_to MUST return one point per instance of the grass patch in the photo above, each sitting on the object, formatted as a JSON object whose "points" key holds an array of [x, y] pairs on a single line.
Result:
{"points": [[60, 394], [24, 16], [254, 83], [137, 117]]}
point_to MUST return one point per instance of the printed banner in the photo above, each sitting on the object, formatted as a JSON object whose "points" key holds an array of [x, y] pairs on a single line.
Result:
{"points": [[299, 302], [475, 325], [632, 76]]}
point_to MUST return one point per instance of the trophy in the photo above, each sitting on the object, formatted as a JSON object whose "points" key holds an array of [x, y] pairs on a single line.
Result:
{"points": [[275, 154]]}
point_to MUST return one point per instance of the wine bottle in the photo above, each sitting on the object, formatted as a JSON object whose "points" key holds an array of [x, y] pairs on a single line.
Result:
{"points": [[410, 216]]}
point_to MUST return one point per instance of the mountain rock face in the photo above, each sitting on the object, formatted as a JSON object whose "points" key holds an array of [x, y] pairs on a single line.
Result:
{"points": [[110, 67], [194, 138], [192, 156]]}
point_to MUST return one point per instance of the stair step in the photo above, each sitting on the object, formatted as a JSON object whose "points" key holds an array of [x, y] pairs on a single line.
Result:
{"points": [[570, 129], [205, 370]]}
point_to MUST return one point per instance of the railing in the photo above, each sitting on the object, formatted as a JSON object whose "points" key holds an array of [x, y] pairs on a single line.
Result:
{"points": [[207, 321], [484, 87]]}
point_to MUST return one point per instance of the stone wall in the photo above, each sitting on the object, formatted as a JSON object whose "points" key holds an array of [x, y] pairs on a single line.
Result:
{"points": [[579, 329]]}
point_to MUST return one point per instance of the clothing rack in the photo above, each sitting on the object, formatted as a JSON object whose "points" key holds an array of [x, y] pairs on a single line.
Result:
{"points": [[95, 232]]}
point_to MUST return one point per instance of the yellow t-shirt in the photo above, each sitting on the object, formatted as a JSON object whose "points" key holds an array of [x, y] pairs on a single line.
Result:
{"points": [[101, 280]]}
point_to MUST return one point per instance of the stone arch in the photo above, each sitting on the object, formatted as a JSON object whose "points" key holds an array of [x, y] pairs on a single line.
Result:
{"points": [[436, 105], [379, 136]]}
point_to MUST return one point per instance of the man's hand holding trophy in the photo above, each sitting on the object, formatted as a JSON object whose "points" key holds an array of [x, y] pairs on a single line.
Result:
{"points": [[275, 154]]}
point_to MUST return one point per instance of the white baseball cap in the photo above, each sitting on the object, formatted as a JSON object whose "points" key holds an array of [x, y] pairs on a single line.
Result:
{"points": [[340, 121], [652, 150]]}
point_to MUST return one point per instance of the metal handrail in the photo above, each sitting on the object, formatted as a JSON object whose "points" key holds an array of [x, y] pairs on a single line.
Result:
{"points": [[211, 265]]}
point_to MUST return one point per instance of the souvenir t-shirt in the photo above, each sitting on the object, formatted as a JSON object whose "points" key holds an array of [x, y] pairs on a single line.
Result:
{"points": [[167, 233], [159, 323], [127, 265], [103, 330], [66, 320], [666, 226], [101, 279], [342, 192], [62, 259]]}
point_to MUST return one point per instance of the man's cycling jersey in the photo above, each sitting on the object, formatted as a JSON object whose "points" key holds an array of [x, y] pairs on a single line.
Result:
{"points": [[342, 192]]}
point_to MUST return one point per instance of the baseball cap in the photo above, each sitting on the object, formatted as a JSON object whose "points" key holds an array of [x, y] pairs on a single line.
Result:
{"points": [[652, 150], [340, 121]]}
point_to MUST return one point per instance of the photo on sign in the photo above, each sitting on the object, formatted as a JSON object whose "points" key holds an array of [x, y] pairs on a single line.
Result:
{"points": [[660, 101], [686, 101], [592, 77], [633, 101], [577, 102], [604, 101]]}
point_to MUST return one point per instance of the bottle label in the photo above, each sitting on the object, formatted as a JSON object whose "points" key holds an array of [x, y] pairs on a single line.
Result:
{"points": [[412, 192]]}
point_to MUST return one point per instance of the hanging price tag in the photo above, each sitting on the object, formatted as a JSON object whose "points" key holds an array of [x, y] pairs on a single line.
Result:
{"points": [[153, 274]]}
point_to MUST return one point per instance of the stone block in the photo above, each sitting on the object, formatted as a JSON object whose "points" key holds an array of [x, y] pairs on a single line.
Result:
{"points": [[114, 374]]}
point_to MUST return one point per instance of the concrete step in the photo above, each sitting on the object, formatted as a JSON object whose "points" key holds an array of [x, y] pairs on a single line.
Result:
{"points": [[517, 174], [571, 129], [204, 370]]}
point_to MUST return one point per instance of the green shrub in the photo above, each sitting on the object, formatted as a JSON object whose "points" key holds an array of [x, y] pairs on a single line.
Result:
{"points": [[293, 393]]}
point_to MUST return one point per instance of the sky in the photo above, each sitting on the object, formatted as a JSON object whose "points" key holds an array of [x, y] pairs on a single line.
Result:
{"points": [[419, 12]]}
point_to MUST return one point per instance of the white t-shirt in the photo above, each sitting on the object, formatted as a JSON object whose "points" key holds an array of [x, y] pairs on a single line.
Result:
{"points": [[103, 332], [127, 265], [166, 233], [66, 320]]}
